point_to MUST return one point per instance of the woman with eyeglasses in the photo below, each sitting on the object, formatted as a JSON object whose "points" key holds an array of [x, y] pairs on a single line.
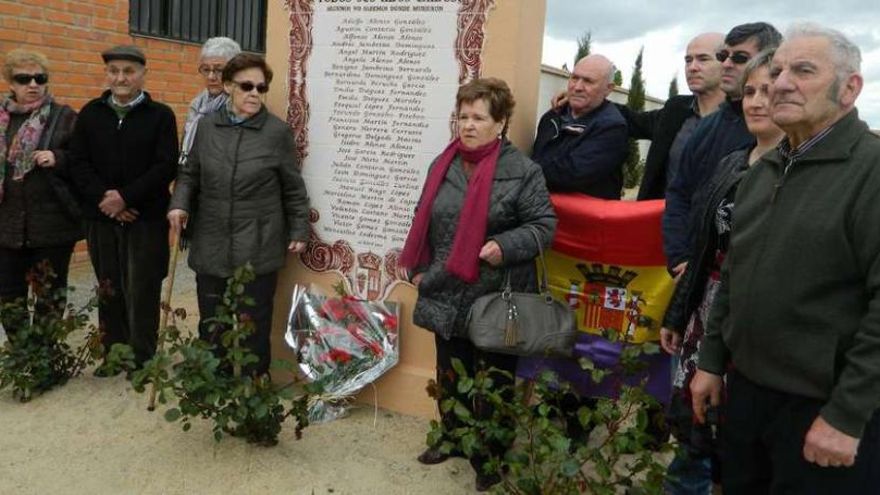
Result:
{"points": [[241, 191], [39, 216], [215, 53]]}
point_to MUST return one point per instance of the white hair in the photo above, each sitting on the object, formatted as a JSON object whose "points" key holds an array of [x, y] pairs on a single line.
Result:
{"points": [[845, 55], [221, 47]]}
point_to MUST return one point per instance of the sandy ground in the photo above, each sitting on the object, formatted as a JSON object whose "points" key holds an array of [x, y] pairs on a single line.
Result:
{"points": [[94, 436]]}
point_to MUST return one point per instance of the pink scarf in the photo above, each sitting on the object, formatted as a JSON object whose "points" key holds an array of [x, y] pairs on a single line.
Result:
{"points": [[470, 233], [19, 154]]}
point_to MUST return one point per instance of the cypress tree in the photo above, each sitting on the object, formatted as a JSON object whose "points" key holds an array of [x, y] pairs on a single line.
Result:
{"points": [[633, 168], [584, 45]]}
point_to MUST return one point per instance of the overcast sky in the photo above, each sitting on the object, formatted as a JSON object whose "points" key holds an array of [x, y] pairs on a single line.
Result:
{"points": [[620, 27]]}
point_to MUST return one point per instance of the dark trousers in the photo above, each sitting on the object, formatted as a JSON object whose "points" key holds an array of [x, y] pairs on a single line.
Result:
{"points": [[210, 291], [763, 440], [473, 360], [130, 260], [14, 267]]}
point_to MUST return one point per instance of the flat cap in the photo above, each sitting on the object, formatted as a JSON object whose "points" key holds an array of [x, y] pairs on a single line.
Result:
{"points": [[124, 52]]}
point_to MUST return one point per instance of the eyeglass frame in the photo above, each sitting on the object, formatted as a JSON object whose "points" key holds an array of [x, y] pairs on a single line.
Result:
{"points": [[207, 70], [738, 58], [40, 78], [248, 86]]}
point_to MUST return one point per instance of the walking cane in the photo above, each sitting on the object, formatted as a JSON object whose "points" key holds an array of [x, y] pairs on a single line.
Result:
{"points": [[166, 310]]}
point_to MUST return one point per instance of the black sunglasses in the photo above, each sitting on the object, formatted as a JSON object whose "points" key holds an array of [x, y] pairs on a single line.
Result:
{"points": [[738, 58], [40, 79], [248, 86]]}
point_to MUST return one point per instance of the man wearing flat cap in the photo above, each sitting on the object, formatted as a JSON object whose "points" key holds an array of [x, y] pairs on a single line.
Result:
{"points": [[124, 150]]}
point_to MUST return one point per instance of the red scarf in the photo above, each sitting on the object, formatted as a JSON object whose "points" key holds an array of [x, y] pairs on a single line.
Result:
{"points": [[470, 233]]}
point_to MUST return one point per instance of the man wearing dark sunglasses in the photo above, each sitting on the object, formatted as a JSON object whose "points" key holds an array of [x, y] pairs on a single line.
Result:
{"points": [[124, 150], [717, 135]]}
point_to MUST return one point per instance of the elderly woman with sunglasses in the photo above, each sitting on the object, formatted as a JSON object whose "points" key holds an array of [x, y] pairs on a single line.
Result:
{"points": [[39, 216], [241, 192], [215, 53]]}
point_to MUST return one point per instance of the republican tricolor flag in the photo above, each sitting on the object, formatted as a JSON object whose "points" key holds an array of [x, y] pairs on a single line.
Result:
{"points": [[607, 263]]}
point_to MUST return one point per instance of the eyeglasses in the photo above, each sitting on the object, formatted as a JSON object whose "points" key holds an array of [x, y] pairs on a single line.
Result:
{"points": [[738, 58], [248, 86], [40, 79], [207, 70]]}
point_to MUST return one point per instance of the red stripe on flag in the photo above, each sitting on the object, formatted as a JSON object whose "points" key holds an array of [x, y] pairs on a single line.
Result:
{"points": [[611, 232]]}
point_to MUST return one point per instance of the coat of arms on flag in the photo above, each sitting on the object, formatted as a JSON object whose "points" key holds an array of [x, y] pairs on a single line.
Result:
{"points": [[607, 263]]}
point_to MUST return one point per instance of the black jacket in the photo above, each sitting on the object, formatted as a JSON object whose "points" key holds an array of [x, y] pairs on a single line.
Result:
{"points": [[585, 156], [136, 156], [689, 290], [41, 210], [661, 127], [717, 135]]}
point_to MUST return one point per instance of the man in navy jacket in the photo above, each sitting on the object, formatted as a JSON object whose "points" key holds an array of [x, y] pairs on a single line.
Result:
{"points": [[582, 146]]}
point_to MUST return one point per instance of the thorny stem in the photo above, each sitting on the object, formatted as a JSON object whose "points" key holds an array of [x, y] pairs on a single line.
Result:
{"points": [[236, 366]]}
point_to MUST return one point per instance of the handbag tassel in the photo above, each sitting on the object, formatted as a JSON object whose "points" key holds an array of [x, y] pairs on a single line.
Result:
{"points": [[512, 326]]}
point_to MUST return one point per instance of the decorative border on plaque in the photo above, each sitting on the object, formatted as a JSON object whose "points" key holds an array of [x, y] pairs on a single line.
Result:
{"points": [[301, 13], [370, 274], [471, 34]]}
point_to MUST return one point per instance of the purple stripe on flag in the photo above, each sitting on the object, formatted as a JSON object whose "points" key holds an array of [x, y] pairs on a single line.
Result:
{"points": [[604, 354]]}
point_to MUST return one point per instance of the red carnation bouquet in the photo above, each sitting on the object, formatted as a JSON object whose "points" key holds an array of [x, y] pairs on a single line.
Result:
{"points": [[342, 344]]}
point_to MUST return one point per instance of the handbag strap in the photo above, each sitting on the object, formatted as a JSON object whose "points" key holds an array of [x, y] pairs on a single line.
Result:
{"points": [[544, 283]]}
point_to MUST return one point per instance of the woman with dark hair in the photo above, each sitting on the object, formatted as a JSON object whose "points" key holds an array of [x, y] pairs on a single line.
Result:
{"points": [[685, 320], [484, 208], [39, 216], [242, 194]]}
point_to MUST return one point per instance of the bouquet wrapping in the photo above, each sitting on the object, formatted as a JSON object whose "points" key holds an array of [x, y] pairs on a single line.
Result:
{"points": [[342, 344]]}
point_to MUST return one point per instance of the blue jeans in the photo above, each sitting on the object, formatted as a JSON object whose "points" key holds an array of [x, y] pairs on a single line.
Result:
{"points": [[688, 474]]}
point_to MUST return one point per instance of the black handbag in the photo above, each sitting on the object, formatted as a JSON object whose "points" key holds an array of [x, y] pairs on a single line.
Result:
{"points": [[523, 324]]}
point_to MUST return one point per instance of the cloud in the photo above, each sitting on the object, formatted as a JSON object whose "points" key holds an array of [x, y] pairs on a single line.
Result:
{"points": [[620, 27], [620, 20]]}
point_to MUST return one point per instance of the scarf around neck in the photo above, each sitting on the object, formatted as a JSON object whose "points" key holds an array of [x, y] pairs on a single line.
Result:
{"points": [[19, 153], [470, 232], [202, 105]]}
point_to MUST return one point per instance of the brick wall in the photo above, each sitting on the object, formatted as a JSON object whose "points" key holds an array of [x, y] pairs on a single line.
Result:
{"points": [[74, 33]]}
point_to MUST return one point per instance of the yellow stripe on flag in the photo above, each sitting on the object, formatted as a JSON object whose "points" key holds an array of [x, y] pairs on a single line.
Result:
{"points": [[630, 300]]}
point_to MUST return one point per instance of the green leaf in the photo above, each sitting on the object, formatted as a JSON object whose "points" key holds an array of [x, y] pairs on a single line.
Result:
{"points": [[650, 348], [543, 410], [469, 444], [584, 416], [461, 412], [586, 364], [570, 467], [172, 415], [435, 436], [458, 366], [465, 385]]}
